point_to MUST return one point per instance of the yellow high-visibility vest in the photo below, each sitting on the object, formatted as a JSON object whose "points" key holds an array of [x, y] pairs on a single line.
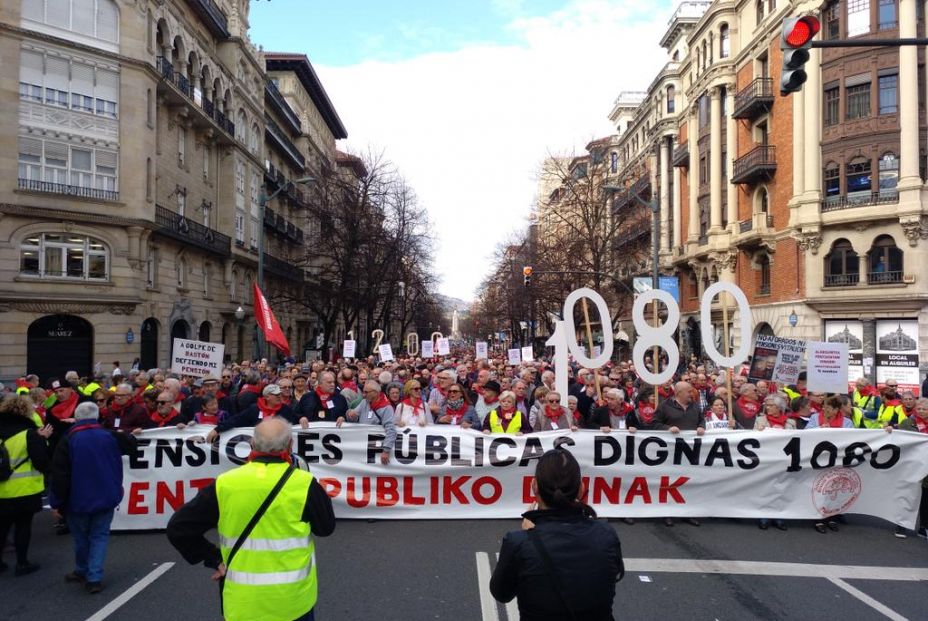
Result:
{"points": [[25, 480]]}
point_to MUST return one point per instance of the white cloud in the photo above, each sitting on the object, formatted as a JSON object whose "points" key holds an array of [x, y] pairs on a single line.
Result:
{"points": [[469, 128]]}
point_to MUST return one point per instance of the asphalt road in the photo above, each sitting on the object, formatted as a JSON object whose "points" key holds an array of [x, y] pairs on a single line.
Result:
{"points": [[412, 571]]}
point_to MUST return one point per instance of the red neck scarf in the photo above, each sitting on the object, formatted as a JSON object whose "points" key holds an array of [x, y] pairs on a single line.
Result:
{"points": [[255, 388], [265, 410], [748, 408], [221, 394], [323, 395], [922, 424], [206, 418], [380, 402], [491, 402], [458, 414], [646, 412], [65, 409], [156, 417], [836, 423], [553, 413], [137, 397], [507, 413], [777, 420], [284, 455], [415, 406]]}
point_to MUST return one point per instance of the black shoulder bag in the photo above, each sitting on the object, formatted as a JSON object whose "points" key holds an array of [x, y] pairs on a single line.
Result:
{"points": [[254, 522], [552, 571]]}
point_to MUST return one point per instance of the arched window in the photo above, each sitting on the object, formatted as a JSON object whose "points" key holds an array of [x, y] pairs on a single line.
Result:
{"points": [[842, 265], [671, 94], [613, 162], [64, 255], [858, 179], [705, 56], [724, 42], [764, 285], [254, 142], [889, 174], [93, 19], [247, 289], [884, 261], [763, 201], [233, 286]]}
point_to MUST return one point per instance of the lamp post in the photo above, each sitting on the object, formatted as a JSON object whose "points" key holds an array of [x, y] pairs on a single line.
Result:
{"points": [[263, 200]]}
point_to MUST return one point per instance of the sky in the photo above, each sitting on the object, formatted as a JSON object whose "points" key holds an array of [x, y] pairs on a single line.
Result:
{"points": [[468, 97]]}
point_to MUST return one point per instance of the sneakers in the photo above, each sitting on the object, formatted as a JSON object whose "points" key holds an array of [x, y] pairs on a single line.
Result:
{"points": [[74, 577], [24, 569], [899, 533], [93, 587], [922, 532]]}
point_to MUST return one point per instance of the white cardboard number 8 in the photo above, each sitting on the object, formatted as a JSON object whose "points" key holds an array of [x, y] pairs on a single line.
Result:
{"points": [[662, 336]]}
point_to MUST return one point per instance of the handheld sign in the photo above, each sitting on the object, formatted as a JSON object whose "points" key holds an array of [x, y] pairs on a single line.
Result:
{"points": [[482, 352], [444, 347], [827, 367], [515, 357], [428, 349], [197, 358], [386, 352], [348, 348], [527, 353]]}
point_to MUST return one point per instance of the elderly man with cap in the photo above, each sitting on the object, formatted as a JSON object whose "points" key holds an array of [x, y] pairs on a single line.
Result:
{"points": [[269, 404], [488, 400], [375, 409]]}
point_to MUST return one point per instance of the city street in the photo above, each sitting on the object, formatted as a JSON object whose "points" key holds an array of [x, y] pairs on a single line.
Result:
{"points": [[410, 570]]}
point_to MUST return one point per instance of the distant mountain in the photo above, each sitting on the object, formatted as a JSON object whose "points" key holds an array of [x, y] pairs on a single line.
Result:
{"points": [[449, 304]]}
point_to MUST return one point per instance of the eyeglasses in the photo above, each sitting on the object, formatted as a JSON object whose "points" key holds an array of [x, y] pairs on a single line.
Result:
{"points": [[226, 377], [416, 388], [119, 396], [554, 400], [163, 402], [455, 392], [100, 400]]}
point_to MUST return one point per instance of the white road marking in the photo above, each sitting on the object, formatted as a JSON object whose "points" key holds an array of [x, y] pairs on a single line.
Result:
{"points": [[512, 608], [487, 603], [131, 592], [888, 612], [644, 578], [765, 568]]}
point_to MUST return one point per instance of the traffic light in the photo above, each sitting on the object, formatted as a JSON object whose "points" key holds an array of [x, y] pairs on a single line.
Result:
{"points": [[795, 42], [527, 275]]}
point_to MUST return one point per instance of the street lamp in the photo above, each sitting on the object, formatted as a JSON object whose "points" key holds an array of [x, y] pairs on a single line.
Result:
{"points": [[263, 200], [240, 313]]}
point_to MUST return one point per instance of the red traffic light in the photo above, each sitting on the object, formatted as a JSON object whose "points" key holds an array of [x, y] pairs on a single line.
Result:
{"points": [[526, 271], [798, 32]]}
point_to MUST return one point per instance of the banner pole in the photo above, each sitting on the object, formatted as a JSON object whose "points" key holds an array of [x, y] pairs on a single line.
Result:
{"points": [[725, 336], [655, 354], [589, 340]]}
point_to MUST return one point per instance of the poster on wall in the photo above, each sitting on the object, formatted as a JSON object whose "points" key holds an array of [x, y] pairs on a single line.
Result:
{"points": [[850, 332], [897, 353]]}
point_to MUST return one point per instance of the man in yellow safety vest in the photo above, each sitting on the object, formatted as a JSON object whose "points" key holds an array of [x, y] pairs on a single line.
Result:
{"points": [[266, 512]]}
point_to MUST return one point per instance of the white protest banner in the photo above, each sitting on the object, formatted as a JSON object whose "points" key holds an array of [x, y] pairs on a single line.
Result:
{"points": [[197, 358], [528, 354], [515, 356], [777, 359], [444, 346], [452, 473], [427, 348], [348, 349], [897, 353], [597, 351], [827, 367], [482, 350], [386, 352]]}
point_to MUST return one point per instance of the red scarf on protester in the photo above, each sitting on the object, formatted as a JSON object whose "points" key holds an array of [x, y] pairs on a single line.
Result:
{"points": [[323, 396], [164, 421], [478, 389], [507, 413], [65, 409], [778, 420], [381, 402], [137, 397], [350, 385], [922, 424], [577, 416], [207, 419], [488, 402], [180, 397], [891, 403], [815, 408], [415, 406], [265, 410], [646, 412], [458, 414], [665, 394], [836, 423], [220, 395], [284, 455], [553, 415], [749, 409], [255, 388]]}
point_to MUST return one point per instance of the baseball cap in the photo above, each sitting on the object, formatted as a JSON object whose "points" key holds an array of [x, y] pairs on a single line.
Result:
{"points": [[271, 389]]}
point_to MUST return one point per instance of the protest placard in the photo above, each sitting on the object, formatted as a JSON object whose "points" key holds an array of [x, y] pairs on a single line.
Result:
{"points": [[444, 346], [515, 356], [427, 349], [348, 349], [528, 354], [482, 350], [827, 367], [776, 359], [386, 352], [197, 358]]}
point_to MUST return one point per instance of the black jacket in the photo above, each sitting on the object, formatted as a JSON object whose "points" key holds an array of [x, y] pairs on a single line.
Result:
{"points": [[251, 416], [37, 450], [671, 414], [586, 554], [310, 407]]}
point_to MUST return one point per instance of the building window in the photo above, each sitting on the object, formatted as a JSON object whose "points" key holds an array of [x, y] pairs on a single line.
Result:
{"points": [[152, 268], [885, 261], [704, 169], [671, 94], [240, 177], [53, 255], [233, 285], [858, 17], [255, 231], [832, 99], [858, 101], [889, 93], [705, 56], [61, 164], [764, 275], [182, 201], [207, 274], [613, 162], [704, 218], [98, 19], [724, 42], [206, 155], [858, 178], [832, 16], [887, 15], [763, 201], [240, 227], [771, 6], [180, 273], [832, 177], [760, 11], [703, 111], [181, 145], [889, 174], [64, 83], [842, 265]]}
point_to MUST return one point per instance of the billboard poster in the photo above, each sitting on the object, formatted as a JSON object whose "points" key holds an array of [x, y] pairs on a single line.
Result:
{"points": [[776, 359], [851, 332], [670, 284], [897, 353]]}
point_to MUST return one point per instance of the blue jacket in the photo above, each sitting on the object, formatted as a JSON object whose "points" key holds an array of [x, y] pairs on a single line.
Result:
{"points": [[87, 468]]}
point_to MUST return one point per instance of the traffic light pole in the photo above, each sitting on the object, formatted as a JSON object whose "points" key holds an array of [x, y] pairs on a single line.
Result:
{"points": [[870, 42]]}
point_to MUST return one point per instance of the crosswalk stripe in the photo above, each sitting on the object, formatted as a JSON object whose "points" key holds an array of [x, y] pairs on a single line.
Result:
{"points": [[487, 603]]}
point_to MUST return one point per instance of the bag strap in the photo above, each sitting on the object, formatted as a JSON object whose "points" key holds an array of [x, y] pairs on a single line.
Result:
{"points": [[558, 585], [259, 513]]}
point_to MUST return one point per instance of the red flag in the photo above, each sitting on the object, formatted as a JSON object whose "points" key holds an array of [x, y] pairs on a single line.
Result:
{"points": [[268, 323]]}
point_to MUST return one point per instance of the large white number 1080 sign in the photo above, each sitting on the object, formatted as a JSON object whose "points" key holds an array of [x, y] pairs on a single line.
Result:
{"points": [[648, 336]]}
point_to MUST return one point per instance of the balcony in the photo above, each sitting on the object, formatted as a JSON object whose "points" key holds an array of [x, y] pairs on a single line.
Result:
{"points": [[282, 268], [841, 280], [759, 164], [752, 231], [635, 230], [281, 225], [754, 99], [212, 16], [34, 185], [172, 224], [865, 199], [643, 184], [681, 156], [884, 278], [284, 110], [180, 91], [283, 144], [270, 218]]}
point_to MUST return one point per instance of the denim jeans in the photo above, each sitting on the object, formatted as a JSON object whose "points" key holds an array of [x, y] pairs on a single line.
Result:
{"points": [[91, 533]]}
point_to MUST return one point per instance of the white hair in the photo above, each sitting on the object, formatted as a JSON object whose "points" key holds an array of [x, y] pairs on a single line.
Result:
{"points": [[507, 394], [385, 377], [86, 411], [615, 393], [272, 435]]}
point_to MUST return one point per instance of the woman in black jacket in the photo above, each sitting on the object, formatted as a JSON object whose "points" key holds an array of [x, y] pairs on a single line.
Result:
{"points": [[563, 564]]}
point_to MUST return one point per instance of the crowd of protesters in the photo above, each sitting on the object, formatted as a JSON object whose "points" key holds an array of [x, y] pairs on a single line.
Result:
{"points": [[488, 395]]}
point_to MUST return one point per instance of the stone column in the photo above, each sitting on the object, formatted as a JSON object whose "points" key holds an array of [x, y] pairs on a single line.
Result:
{"points": [[799, 115], [715, 161], [693, 176], [731, 147], [869, 346], [812, 101], [908, 100], [677, 199], [665, 193]]}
